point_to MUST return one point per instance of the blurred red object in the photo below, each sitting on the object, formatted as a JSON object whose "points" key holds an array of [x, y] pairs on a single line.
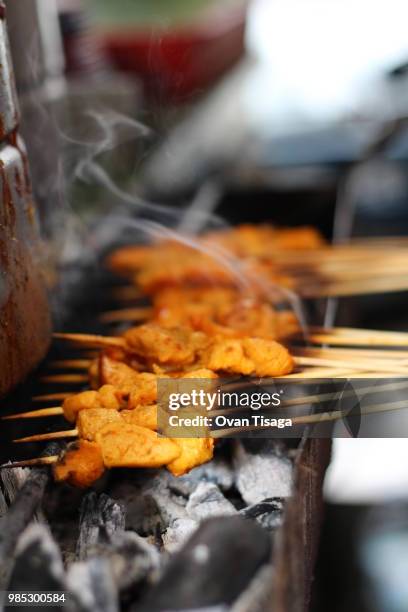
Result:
{"points": [[182, 62]]}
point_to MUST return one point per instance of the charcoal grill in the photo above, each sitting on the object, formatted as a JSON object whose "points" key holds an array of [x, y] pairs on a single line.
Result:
{"points": [[140, 540]]}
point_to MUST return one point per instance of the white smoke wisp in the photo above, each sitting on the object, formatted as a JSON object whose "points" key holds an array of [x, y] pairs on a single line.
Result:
{"points": [[137, 220]]}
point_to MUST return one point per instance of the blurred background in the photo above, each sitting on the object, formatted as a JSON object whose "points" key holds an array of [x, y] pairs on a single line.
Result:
{"points": [[199, 112]]}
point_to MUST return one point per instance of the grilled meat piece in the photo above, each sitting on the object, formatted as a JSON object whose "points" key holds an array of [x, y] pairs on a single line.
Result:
{"points": [[81, 465]]}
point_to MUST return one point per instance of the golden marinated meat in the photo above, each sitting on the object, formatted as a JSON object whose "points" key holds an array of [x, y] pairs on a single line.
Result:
{"points": [[194, 452], [269, 358], [185, 348], [246, 356], [144, 416], [228, 355], [216, 311], [176, 296], [132, 258], [90, 421], [156, 344], [141, 385], [190, 268], [106, 397], [140, 388], [247, 318], [81, 465], [257, 240], [242, 241], [128, 445], [199, 373]]}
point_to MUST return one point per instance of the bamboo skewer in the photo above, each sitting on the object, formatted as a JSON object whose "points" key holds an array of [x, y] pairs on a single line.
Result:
{"points": [[315, 419], [50, 397], [317, 398], [127, 293], [127, 314], [369, 365], [349, 288], [64, 378], [222, 433], [53, 435], [92, 340], [34, 414], [349, 353], [357, 337], [37, 461], [358, 331], [71, 364]]}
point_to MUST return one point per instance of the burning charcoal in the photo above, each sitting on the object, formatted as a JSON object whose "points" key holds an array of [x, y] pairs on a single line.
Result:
{"points": [[142, 513], [213, 568], [38, 565], [170, 504], [19, 515], [177, 535], [262, 475], [91, 587], [206, 501], [217, 471], [101, 516], [12, 480], [132, 559], [268, 513]]}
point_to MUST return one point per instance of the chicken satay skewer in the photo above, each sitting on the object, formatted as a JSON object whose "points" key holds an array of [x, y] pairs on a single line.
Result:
{"points": [[298, 401], [368, 365], [297, 350], [222, 433], [308, 374]]}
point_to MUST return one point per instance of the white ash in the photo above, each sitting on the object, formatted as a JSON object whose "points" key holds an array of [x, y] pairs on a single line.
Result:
{"points": [[142, 512], [37, 534], [262, 475], [170, 505], [101, 517], [91, 587], [132, 558], [12, 480], [216, 471], [206, 501], [177, 535]]}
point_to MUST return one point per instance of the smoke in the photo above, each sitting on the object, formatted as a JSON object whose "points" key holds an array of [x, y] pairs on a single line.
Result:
{"points": [[131, 218]]}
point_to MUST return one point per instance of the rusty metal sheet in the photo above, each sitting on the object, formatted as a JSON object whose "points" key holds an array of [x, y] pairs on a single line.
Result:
{"points": [[298, 540], [25, 327]]}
